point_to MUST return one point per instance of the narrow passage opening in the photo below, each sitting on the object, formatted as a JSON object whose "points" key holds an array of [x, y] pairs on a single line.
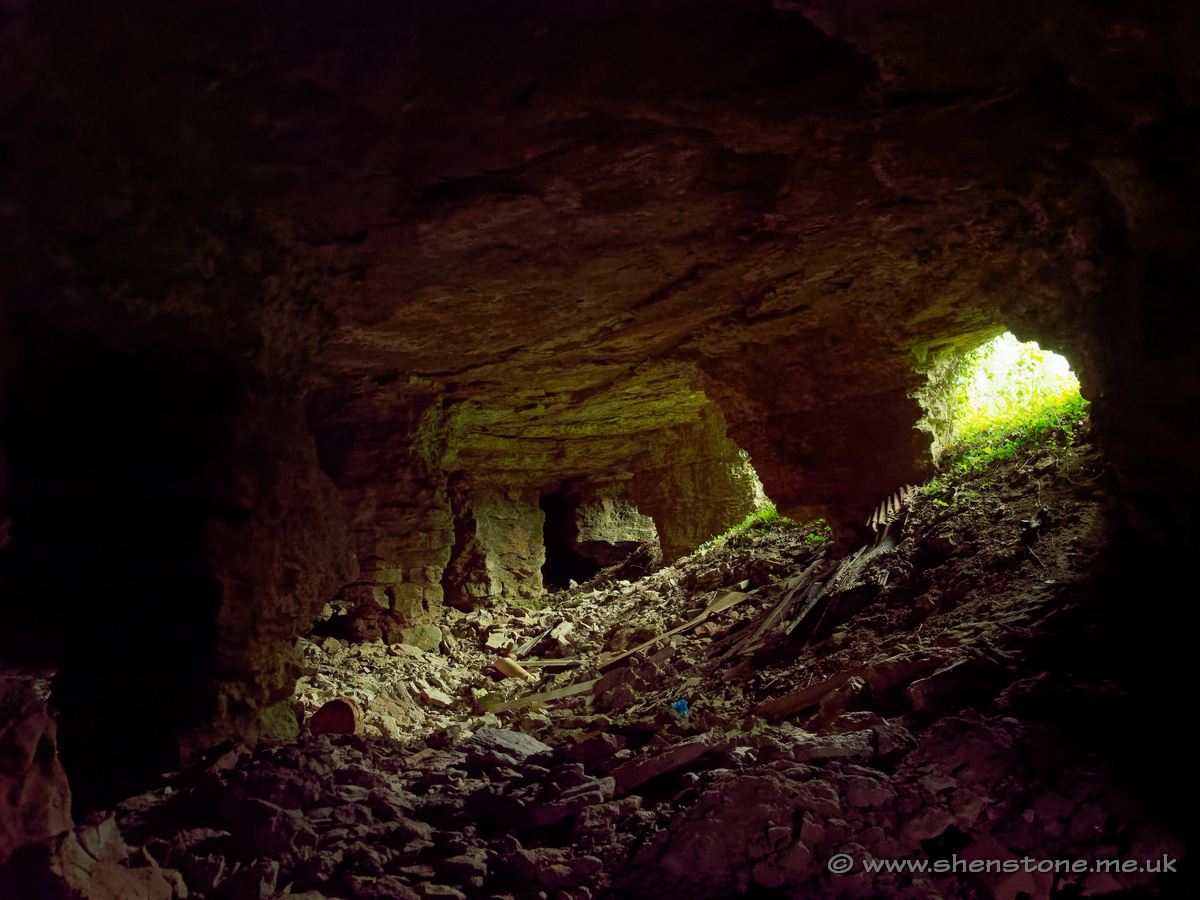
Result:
{"points": [[563, 562]]}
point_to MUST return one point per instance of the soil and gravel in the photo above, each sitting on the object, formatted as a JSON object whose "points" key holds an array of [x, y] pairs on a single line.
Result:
{"points": [[925, 709]]}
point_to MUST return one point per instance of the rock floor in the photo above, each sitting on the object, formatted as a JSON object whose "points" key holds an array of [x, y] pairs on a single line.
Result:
{"points": [[927, 714]]}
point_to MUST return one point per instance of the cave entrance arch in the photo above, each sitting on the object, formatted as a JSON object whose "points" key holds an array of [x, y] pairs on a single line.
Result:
{"points": [[588, 529], [995, 385]]}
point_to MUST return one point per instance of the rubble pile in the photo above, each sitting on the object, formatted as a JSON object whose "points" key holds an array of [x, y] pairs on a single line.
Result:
{"points": [[974, 575], [406, 691], [749, 720], [632, 813]]}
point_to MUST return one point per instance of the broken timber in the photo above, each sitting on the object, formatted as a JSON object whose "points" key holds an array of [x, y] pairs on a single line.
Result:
{"points": [[815, 592], [724, 602], [530, 644], [543, 697], [794, 702], [890, 508], [546, 663], [776, 615], [886, 675]]}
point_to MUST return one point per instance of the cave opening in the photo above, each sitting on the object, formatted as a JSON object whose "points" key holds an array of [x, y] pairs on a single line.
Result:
{"points": [[564, 563], [1002, 385], [109, 461]]}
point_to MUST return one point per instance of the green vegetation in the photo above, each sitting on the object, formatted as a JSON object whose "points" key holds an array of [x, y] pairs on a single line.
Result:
{"points": [[767, 518], [1006, 384], [997, 402], [762, 519], [1038, 432]]}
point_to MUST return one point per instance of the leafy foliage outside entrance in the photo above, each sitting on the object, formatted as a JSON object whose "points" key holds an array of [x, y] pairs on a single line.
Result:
{"points": [[984, 405]]}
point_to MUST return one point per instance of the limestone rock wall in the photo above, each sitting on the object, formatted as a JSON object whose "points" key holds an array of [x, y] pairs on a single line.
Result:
{"points": [[499, 548], [607, 529], [443, 489], [277, 563], [370, 440], [35, 800]]}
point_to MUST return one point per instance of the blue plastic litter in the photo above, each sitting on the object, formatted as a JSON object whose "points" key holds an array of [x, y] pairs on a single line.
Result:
{"points": [[680, 706]]}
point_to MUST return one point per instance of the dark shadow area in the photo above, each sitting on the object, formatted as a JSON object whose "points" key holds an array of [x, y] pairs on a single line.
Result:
{"points": [[110, 458], [563, 562]]}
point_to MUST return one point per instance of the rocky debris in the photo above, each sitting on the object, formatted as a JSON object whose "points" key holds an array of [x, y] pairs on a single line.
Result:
{"points": [[901, 735], [509, 746], [913, 624], [638, 771], [35, 800], [684, 815], [95, 861]]}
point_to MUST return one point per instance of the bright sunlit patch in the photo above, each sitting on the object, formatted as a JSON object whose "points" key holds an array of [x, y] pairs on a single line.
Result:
{"points": [[1007, 383], [1002, 387]]}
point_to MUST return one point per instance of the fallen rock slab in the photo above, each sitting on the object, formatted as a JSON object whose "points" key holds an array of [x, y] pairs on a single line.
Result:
{"points": [[638, 771], [512, 747], [855, 744]]}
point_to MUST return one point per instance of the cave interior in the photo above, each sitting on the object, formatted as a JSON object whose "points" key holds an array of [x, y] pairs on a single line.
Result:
{"points": [[373, 320]]}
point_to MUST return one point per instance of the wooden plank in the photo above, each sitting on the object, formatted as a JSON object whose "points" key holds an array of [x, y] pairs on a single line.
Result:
{"points": [[510, 668], [776, 615], [548, 663], [720, 604], [544, 697], [816, 591], [529, 645], [725, 601]]}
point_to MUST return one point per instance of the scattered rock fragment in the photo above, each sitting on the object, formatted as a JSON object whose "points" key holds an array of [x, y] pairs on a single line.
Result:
{"points": [[650, 765], [510, 746], [592, 789], [434, 697]]}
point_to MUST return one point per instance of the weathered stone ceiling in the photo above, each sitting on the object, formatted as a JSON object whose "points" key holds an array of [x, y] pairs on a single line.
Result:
{"points": [[729, 188], [553, 196]]}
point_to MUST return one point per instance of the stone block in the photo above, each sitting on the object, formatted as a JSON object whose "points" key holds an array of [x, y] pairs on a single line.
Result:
{"points": [[426, 637], [434, 697], [510, 746], [855, 744], [864, 792], [408, 600], [387, 573], [92, 861], [638, 771], [279, 723]]}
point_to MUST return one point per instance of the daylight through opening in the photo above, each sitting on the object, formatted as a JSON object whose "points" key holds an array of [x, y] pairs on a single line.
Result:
{"points": [[1002, 385]]}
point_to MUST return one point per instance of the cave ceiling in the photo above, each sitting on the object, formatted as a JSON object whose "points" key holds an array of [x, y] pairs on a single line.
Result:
{"points": [[551, 213]]}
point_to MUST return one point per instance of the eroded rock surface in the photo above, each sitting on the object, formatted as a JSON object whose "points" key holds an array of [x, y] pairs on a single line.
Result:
{"points": [[306, 302], [35, 800]]}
